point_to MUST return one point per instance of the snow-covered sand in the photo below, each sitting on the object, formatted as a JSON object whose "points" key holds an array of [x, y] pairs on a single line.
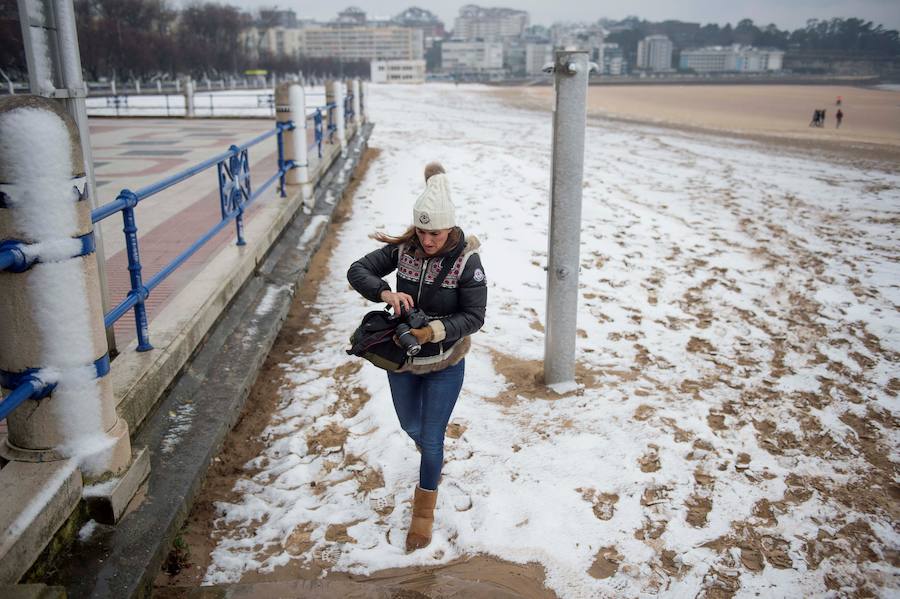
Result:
{"points": [[735, 427]]}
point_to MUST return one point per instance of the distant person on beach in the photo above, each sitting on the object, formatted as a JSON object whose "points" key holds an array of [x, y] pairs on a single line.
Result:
{"points": [[815, 119], [838, 102], [839, 117], [439, 272]]}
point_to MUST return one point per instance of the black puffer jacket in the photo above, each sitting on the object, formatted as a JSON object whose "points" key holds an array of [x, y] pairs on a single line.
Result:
{"points": [[456, 309]]}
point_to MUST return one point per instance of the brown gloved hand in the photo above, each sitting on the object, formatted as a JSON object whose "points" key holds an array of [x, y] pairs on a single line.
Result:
{"points": [[423, 335]]}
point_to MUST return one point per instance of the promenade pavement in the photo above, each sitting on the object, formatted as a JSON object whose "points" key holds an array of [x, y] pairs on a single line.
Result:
{"points": [[134, 153]]}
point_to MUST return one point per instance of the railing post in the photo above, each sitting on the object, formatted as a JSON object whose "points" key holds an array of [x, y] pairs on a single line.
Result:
{"points": [[569, 121], [340, 98], [134, 270], [290, 100], [159, 86], [364, 101], [137, 86], [330, 122], [357, 106], [189, 98], [51, 316]]}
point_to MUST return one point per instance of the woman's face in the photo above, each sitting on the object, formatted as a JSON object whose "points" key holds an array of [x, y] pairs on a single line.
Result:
{"points": [[432, 241]]}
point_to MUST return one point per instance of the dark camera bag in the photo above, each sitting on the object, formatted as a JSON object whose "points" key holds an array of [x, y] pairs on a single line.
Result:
{"points": [[373, 339]]}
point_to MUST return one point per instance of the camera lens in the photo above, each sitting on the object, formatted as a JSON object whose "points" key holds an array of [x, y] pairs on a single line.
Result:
{"points": [[409, 343]]}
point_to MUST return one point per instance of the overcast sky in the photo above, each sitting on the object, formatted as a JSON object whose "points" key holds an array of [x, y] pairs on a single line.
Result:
{"points": [[789, 14]]}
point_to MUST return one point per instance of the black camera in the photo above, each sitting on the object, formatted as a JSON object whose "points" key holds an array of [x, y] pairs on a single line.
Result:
{"points": [[414, 319]]}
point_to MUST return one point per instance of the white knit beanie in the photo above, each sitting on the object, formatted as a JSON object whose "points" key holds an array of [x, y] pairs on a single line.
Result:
{"points": [[434, 210]]}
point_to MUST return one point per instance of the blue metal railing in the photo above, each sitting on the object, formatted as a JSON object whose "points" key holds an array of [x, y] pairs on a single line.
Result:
{"points": [[235, 196]]}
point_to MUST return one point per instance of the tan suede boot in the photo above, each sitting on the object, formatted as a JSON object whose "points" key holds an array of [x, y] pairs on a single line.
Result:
{"points": [[422, 519]]}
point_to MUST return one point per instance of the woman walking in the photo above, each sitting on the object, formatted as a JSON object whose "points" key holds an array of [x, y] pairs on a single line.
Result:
{"points": [[426, 388]]}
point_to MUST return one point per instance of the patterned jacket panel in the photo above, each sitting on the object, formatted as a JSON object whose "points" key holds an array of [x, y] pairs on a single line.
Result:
{"points": [[460, 302]]}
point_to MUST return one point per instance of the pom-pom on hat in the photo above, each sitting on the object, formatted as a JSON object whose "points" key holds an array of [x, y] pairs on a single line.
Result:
{"points": [[434, 210]]}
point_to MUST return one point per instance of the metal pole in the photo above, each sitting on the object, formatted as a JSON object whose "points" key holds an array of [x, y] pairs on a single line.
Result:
{"points": [[571, 71], [54, 71]]}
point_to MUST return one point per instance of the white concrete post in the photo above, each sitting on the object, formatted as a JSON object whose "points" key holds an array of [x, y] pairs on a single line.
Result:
{"points": [[364, 101], [330, 98], [189, 98], [159, 86], [112, 87], [340, 95], [137, 86], [51, 314], [569, 120], [178, 86], [357, 105], [290, 105], [300, 141], [55, 28]]}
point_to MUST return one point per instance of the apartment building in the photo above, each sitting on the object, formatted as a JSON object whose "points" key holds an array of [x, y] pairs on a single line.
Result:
{"points": [[475, 22], [654, 53]]}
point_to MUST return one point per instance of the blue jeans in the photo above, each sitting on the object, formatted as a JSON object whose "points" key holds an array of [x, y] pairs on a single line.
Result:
{"points": [[423, 403]]}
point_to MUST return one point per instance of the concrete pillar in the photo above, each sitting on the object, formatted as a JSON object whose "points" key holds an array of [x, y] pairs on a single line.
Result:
{"points": [[51, 314], [340, 95], [357, 106], [330, 118], [159, 86], [137, 86], [189, 98], [112, 87], [364, 101], [290, 101], [571, 71], [178, 86]]}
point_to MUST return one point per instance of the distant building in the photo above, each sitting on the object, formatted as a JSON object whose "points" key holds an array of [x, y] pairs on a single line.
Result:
{"points": [[731, 59], [475, 22], [419, 18], [398, 71], [361, 43], [481, 58], [278, 18], [613, 60], [351, 17], [536, 56], [654, 53]]}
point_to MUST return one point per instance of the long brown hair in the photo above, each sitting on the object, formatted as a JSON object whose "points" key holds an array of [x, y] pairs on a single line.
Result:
{"points": [[409, 237]]}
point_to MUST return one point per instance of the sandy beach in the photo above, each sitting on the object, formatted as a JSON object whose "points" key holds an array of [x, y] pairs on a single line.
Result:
{"points": [[870, 129], [733, 432]]}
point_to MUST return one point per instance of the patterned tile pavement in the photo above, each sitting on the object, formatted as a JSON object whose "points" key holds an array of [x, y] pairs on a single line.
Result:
{"points": [[133, 153]]}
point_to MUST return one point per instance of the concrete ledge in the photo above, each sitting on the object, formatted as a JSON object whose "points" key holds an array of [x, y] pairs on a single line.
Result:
{"points": [[140, 378], [37, 500], [106, 501]]}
